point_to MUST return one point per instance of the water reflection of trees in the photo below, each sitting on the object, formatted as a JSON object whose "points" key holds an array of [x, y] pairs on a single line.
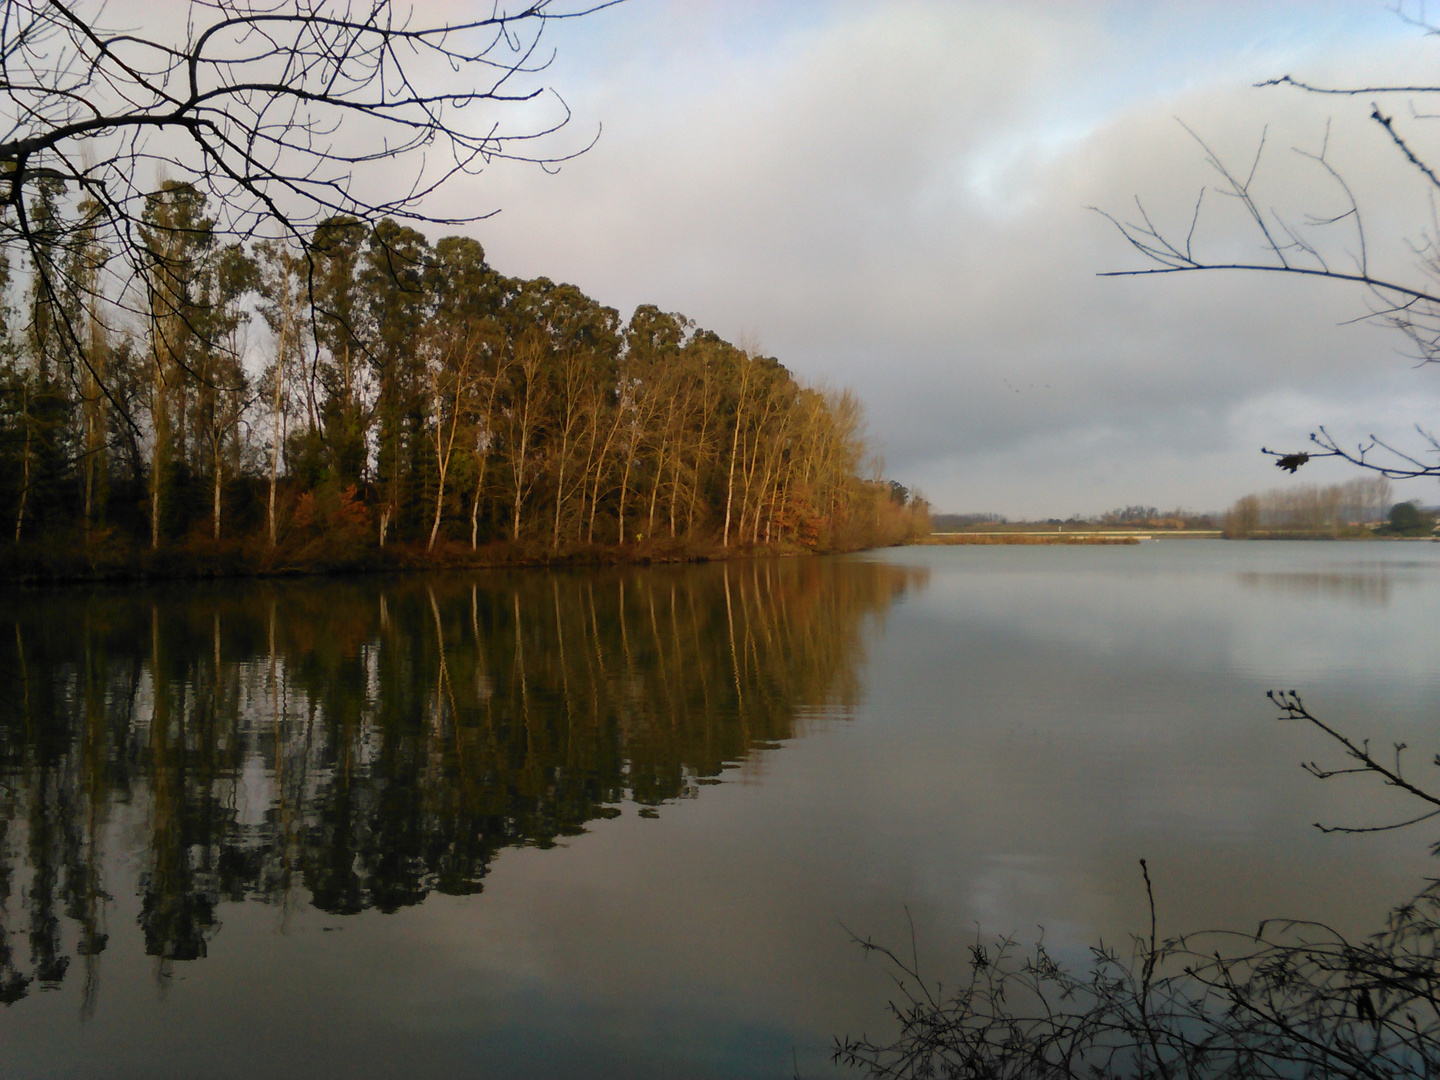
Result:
{"points": [[360, 745], [1363, 588]]}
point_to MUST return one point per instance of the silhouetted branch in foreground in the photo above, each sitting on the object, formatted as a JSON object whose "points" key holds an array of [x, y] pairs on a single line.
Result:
{"points": [[1292, 707], [1375, 455], [1294, 998], [1325, 238], [283, 114]]}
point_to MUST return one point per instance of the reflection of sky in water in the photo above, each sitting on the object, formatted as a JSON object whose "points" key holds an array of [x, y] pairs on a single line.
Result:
{"points": [[1215, 606], [1095, 705], [1025, 724]]}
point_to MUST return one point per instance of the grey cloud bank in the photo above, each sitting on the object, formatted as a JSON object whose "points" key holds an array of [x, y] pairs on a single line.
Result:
{"points": [[894, 199]]}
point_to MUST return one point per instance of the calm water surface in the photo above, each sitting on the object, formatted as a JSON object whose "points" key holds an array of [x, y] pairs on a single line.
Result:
{"points": [[616, 823]]}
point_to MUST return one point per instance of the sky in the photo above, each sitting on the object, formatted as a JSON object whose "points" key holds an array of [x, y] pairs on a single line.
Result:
{"points": [[896, 198]]}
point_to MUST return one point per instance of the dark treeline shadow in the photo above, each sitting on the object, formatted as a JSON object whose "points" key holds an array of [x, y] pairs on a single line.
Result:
{"points": [[359, 745]]}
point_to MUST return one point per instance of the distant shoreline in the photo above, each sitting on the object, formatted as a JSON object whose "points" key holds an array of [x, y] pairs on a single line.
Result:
{"points": [[1033, 538], [1074, 536], [1135, 536]]}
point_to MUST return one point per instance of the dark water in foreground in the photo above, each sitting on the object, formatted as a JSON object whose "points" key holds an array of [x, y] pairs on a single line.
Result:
{"points": [[612, 823]]}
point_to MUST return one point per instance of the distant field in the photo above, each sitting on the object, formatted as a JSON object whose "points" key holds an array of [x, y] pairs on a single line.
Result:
{"points": [[1030, 538]]}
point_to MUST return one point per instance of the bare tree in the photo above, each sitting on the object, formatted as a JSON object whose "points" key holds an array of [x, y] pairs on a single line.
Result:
{"points": [[281, 113]]}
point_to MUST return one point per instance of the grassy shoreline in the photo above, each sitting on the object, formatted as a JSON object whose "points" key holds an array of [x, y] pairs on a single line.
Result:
{"points": [[39, 565], [199, 561]]}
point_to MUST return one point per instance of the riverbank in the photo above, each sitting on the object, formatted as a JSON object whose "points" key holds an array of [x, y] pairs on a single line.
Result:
{"points": [[1352, 534], [199, 560]]}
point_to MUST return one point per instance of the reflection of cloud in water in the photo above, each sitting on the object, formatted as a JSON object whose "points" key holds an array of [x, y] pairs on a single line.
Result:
{"points": [[1367, 588], [1012, 882]]}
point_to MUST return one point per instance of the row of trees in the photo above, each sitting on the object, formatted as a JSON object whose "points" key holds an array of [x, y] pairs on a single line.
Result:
{"points": [[1307, 510], [378, 388]]}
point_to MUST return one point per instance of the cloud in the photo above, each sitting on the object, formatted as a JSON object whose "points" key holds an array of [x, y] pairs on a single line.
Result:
{"points": [[895, 199]]}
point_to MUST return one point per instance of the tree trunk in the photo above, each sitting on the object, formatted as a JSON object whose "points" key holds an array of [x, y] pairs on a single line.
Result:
{"points": [[475, 503], [482, 458], [439, 502], [760, 503], [599, 472], [655, 488], [94, 419], [784, 501], [520, 476], [445, 450], [734, 447], [218, 483], [159, 465], [624, 483], [674, 489], [275, 447], [25, 476], [730, 481], [560, 485], [700, 445], [530, 368], [585, 471]]}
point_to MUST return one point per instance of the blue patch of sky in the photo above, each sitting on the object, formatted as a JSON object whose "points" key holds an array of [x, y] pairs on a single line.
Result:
{"points": [[656, 35], [1169, 43], [1177, 46]]}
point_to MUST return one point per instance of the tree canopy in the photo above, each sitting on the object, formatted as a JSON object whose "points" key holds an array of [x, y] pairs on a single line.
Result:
{"points": [[380, 388]]}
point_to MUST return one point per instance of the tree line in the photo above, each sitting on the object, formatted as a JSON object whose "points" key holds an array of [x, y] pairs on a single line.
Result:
{"points": [[375, 389], [1309, 511]]}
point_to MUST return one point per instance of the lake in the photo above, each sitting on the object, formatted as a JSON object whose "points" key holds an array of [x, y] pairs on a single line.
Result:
{"points": [[624, 822]]}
